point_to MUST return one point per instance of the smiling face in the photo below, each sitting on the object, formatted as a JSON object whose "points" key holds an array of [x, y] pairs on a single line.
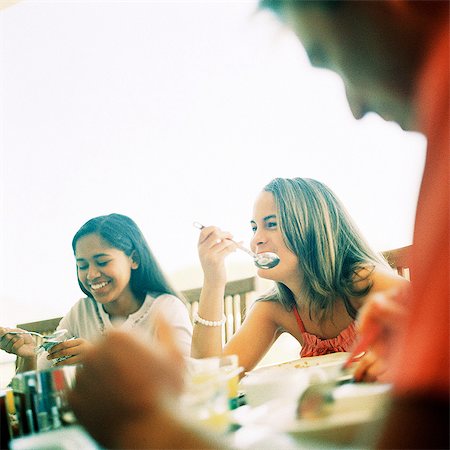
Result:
{"points": [[268, 238], [104, 271]]}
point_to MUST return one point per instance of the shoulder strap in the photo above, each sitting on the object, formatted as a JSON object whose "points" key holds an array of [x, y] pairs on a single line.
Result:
{"points": [[299, 320]]}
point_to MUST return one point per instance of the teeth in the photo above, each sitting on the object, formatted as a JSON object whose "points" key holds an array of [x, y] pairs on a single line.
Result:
{"points": [[94, 287]]}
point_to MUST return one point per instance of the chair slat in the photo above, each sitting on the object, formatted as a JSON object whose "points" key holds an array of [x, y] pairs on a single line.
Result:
{"points": [[237, 294]]}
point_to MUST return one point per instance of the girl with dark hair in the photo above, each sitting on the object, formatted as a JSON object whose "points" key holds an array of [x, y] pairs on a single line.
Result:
{"points": [[124, 287], [325, 275]]}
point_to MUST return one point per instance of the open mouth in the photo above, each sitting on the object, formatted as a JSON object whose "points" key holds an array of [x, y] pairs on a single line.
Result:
{"points": [[97, 286]]}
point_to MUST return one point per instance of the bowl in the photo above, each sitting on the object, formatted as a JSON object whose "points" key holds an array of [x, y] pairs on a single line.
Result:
{"points": [[273, 384], [288, 380]]}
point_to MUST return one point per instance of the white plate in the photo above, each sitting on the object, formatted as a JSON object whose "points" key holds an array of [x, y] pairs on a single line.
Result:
{"points": [[357, 405], [288, 380], [343, 429], [311, 361]]}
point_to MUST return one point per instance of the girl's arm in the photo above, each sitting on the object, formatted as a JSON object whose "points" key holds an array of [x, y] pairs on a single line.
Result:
{"points": [[259, 329], [207, 341], [213, 246], [256, 335]]}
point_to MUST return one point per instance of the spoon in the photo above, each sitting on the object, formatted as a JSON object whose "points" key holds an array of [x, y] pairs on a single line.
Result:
{"points": [[265, 260], [50, 337]]}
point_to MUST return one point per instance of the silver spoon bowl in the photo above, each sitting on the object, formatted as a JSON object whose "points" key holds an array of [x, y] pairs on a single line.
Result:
{"points": [[265, 260]]}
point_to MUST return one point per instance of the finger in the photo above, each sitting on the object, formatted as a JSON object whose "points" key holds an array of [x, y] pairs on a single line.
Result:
{"points": [[56, 348], [17, 343], [216, 239], [6, 330], [221, 244], [68, 361], [59, 354], [3, 331], [205, 233], [72, 351], [7, 345], [25, 338], [363, 366], [374, 371], [71, 343], [10, 337], [6, 338], [214, 236]]}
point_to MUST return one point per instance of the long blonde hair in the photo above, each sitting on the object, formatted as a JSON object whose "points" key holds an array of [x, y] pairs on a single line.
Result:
{"points": [[330, 249]]}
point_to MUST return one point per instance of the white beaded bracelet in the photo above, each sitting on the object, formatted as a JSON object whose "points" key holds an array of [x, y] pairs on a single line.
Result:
{"points": [[209, 323]]}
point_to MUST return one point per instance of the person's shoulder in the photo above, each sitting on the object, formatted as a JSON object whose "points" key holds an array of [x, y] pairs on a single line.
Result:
{"points": [[385, 277], [163, 299], [271, 309], [171, 306], [379, 276], [82, 304]]}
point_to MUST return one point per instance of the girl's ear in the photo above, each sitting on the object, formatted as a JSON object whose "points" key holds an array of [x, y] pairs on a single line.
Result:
{"points": [[135, 262]]}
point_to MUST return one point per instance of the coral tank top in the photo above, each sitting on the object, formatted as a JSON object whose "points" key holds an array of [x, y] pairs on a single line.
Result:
{"points": [[315, 346]]}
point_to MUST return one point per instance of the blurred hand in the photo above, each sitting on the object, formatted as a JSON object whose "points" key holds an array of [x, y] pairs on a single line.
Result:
{"points": [[122, 388], [213, 246], [75, 348], [371, 368], [387, 311], [21, 345]]}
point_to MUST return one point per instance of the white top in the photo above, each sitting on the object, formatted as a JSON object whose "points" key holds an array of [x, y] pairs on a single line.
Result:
{"points": [[88, 320]]}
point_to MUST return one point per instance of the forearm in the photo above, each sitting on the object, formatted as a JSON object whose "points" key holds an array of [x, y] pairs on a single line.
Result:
{"points": [[207, 341], [25, 364]]}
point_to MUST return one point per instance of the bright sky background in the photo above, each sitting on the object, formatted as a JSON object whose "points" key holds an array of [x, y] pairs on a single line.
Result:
{"points": [[171, 112]]}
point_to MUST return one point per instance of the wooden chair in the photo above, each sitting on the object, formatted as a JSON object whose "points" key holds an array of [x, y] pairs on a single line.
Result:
{"points": [[400, 260], [238, 295]]}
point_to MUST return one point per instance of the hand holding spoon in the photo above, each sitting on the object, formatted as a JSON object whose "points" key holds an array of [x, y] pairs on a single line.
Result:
{"points": [[265, 260], [51, 337]]}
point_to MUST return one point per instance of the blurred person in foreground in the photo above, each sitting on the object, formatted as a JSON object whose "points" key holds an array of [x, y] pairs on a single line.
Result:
{"points": [[394, 59]]}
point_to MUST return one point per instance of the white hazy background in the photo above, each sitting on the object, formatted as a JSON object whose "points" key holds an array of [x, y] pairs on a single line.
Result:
{"points": [[171, 112]]}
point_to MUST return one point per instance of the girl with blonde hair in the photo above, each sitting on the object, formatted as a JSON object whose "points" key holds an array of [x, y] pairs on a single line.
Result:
{"points": [[325, 274]]}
